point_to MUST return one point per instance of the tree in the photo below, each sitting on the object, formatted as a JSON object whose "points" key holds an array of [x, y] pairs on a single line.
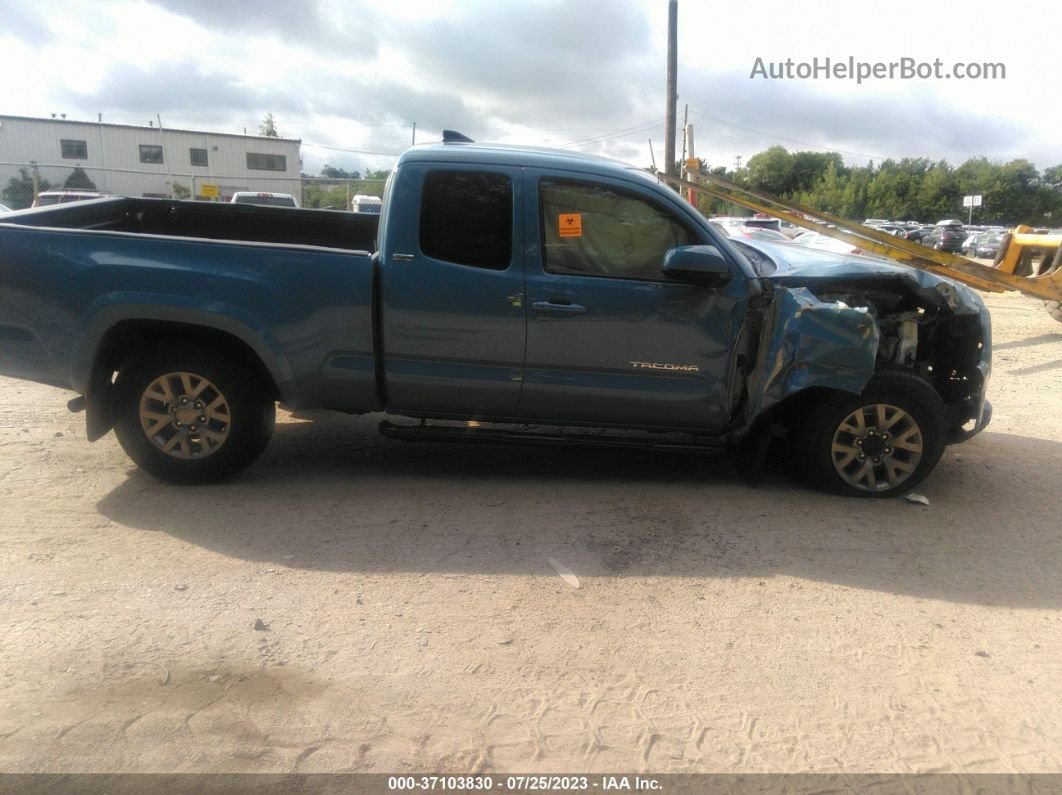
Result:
{"points": [[79, 180], [331, 172], [19, 192], [1053, 177], [268, 127], [771, 171]]}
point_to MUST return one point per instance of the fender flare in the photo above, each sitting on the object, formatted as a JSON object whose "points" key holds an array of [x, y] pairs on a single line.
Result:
{"points": [[110, 309]]}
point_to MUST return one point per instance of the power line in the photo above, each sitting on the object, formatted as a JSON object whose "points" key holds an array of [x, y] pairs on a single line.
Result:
{"points": [[350, 151], [614, 134], [788, 140]]}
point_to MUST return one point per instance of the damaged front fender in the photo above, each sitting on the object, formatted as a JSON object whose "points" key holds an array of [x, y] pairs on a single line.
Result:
{"points": [[806, 342]]}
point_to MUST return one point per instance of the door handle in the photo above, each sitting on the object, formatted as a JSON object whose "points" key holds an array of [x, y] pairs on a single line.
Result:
{"points": [[557, 308]]}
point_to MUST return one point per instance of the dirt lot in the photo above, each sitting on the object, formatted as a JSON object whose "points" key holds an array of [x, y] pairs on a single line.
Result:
{"points": [[409, 617]]}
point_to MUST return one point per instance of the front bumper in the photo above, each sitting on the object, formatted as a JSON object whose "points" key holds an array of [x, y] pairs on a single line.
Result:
{"points": [[960, 435]]}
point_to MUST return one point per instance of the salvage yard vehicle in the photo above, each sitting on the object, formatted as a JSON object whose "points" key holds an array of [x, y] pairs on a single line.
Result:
{"points": [[1017, 251], [50, 197], [537, 293], [946, 236], [265, 198]]}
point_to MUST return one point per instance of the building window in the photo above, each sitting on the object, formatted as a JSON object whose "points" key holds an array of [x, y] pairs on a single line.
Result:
{"points": [[197, 157], [260, 162], [149, 153], [74, 150], [467, 218]]}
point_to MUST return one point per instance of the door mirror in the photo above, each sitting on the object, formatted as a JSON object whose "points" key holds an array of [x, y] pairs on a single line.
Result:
{"points": [[697, 265]]}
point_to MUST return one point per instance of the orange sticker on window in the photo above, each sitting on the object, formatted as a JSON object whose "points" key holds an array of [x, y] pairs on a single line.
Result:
{"points": [[570, 224]]}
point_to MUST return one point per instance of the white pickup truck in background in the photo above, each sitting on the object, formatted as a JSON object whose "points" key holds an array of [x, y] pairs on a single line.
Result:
{"points": [[263, 197]]}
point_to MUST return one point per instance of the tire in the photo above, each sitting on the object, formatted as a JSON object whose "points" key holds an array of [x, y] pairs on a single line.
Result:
{"points": [[189, 417], [1054, 309], [839, 428]]}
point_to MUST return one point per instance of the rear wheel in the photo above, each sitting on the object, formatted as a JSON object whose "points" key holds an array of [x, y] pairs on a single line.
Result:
{"points": [[192, 417], [880, 443]]}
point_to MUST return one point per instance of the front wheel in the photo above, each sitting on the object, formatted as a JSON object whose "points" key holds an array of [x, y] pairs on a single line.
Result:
{"points": [[191, 417], [880, 443]]}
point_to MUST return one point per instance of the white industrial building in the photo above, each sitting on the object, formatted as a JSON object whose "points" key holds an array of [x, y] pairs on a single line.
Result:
{"points": [[130, 160]]}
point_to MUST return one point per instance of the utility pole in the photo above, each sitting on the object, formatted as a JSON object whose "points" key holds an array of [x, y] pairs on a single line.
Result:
{"points": [[688, 157], [672, 90]]}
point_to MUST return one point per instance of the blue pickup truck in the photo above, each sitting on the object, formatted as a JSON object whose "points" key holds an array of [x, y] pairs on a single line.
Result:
{"points": [[549, 297]]}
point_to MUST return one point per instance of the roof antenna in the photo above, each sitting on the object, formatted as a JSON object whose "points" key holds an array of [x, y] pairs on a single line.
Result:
{"points": [[454, 137]]}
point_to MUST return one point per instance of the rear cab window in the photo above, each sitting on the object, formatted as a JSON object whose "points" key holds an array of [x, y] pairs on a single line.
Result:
{"points": [[467, 218]]}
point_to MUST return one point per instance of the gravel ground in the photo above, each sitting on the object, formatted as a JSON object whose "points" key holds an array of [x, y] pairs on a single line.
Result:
{"points": [[355, 604]]}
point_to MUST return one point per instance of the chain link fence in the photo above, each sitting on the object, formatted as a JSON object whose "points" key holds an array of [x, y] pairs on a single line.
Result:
{"points": [[22, 184], [338, 194]]}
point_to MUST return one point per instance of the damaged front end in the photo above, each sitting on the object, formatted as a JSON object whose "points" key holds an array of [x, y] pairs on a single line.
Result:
{"points": [[836, 321]]}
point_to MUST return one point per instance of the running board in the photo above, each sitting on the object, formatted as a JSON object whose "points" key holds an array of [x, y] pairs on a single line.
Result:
{"points": [[477, 435]]}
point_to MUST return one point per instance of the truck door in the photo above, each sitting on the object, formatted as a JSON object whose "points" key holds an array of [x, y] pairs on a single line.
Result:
{"points": [[610, 339], [452, 319]]}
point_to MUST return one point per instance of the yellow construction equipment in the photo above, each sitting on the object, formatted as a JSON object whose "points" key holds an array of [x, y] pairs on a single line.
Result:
{"points": [[1013, 269]]}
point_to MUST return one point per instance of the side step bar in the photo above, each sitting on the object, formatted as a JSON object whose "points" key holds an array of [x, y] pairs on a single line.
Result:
{"points": [[477, 435]]}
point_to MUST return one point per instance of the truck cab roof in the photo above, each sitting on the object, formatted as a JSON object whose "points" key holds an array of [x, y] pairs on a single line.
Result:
{"points": [[523, 156]]}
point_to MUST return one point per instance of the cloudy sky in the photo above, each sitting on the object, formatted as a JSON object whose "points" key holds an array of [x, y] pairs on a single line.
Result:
{"points": [[351, 77]]}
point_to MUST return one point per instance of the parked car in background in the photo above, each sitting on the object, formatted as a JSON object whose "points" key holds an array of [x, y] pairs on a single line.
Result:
{"points": [[362, 203], [893, 229], [729, 224], [49, 197], [946, 236], [985, 244], [4, 208], [824, 243], [752, 233], [914, 231], [265, 198]]}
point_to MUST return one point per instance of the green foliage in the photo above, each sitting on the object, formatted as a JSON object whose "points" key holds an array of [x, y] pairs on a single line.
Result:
{"points": [[19, 192], [331, 172], [907, 189], [179, 191], [268, 127], [79, 180], [337, 197]]}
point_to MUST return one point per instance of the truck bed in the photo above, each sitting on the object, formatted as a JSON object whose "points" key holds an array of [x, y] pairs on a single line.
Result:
{"points": [[293, 285], [243, 222]]}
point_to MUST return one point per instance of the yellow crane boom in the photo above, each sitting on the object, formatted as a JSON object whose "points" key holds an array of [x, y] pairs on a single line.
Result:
{"points": [[1046, 285]]}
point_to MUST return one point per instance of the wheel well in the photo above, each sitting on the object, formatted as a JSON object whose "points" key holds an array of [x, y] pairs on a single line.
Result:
{"points": [[130, 339], [793, 408]]}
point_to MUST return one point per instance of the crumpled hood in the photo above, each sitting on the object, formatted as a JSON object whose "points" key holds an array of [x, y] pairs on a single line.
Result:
{"points": [[807, 341], [800, 266]]}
